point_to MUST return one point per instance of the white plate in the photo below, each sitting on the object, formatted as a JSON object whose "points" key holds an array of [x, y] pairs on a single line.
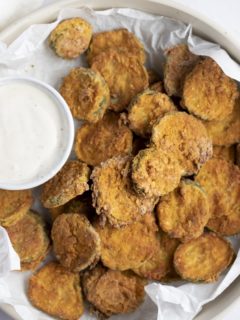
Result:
{"points": [[230, 299]]}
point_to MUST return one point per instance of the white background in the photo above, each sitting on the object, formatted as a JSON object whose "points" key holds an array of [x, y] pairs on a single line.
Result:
{"points": [[224, 12]]}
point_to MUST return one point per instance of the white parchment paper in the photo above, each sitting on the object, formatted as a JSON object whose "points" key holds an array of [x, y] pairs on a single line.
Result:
{"points": [[30, 55]]}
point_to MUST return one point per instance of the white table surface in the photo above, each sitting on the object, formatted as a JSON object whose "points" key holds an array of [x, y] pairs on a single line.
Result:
{"points": [[224, 12]]}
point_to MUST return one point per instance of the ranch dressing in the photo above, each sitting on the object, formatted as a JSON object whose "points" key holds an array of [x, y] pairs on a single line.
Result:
{"points": [[31, 132]]}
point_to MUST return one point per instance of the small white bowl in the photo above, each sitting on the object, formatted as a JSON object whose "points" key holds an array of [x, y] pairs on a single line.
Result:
{"points": [[67, 123]]}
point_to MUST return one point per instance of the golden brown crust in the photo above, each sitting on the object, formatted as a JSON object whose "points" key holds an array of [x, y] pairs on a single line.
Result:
{"points": [[69, 182], [125, 75], [208, 93], [120, 39], [56, 291], [223, 152], [113, 195], [185, 136], [98, 142], [127, 247], [155, 172], [184, 213], [75, 242], [14, 206], [70, 38], [113, 292], [221, 181], [86, 93], [179, 62], [204, 258], [145, 109]]}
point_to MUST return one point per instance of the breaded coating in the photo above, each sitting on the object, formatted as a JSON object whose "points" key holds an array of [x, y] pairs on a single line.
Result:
{"points": [[70, 38], [86, 93], [161, 263], [125, 75], [153, 76], [14, 205], [56, 291], [179, 62], [227, 131], [186, 136], [120, 39], [203, 259], [221, 181], [155, 172], [29, 239], [130, 246], [157, 86], [75, 242], [98, 142], [208, 93], [184, 212], [223, 152], [69, 182], [145, 109], [113, 292], [113, 196]]}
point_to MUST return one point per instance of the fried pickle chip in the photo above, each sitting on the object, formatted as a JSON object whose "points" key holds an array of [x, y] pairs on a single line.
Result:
{"points": [[208, 93], [113, 196], [75, 242], [68, 183], [130, 246], [56, 291], [179, 62], [155, 172], [221, 181], [224, 152], [86, 93], [145, 109], [186, 136], [161, 263], [157, 86], [70, 38], [125, 75], [14, 205], [184, 212], [113, 292], [120, 39], [98, 142], [29, 239], [204, 258], [227, 131]]}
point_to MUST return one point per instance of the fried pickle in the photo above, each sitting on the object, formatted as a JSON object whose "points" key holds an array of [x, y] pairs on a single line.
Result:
{"points": [[125, 75], [70, 38], [223, 152], [130, 246], [98, 142], [221, 181], [75, 242], [120, 39], [155, 172], [113, 196], [69, 182], [208, 93], [56, 291], [204, 258], [86, 93], [161, 262], [184, 213], [179, 62], [145, 109], [14, 205], [113, 292], [29, 239], [186, 136]]}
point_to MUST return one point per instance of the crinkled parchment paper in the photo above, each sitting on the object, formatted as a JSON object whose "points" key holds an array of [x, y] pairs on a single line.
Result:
{"points": [[30, 55]]}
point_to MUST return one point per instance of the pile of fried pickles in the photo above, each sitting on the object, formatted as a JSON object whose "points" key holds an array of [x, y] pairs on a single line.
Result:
{"points": [[154, 188]]}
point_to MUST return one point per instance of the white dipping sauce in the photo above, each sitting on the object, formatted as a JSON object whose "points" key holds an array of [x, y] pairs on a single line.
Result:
{"points": [[31, 132]]}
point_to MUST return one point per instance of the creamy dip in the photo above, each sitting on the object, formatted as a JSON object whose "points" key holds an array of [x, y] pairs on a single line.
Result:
{"points": [[32, 132]]}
